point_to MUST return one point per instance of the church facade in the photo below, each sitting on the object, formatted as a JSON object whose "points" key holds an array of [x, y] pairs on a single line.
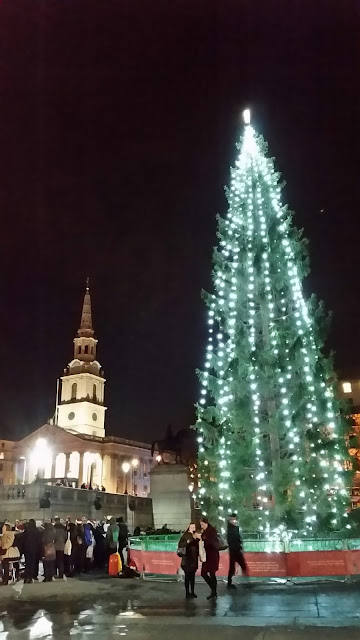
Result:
{"points": [[73, 448]]}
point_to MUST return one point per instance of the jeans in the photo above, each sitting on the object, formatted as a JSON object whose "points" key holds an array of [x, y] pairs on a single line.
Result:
{"points": [[60, 563], [210, 579], [6, 569], [189, 582], [236, 557]]}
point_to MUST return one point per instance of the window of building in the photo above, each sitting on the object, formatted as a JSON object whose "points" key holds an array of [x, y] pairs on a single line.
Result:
{"points": [[1, 466], [86, 349], [1, 455], [347, 387], [73, 390], [94, 391], [92, 351], [79, 348], [3, 445], [1, 481]]}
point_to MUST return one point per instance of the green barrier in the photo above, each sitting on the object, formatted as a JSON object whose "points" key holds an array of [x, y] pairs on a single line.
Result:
{"points": [[254, 544], [317, 545]]}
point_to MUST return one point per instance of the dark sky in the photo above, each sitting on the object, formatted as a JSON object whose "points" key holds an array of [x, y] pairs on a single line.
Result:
{"points": [[118, 120]]}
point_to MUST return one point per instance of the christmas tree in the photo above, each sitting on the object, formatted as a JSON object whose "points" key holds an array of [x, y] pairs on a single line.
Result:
{"points": [[271, 438]]}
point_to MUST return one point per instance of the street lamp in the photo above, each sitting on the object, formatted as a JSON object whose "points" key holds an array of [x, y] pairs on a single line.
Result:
{"points": [[126, 468], [158, 458], [135, 464]]}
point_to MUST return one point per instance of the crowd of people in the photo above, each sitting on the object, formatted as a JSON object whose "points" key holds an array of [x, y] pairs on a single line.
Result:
{"points": [[204, 545], [65, 547], [68, 548]]}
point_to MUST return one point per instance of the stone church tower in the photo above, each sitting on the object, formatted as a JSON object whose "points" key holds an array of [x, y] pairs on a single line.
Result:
{"points": [[81, 408]]}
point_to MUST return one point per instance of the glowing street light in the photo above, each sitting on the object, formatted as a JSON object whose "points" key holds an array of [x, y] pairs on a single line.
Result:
{"points": [[126, 468], [135, 462], [158, 458], [41, 455]]}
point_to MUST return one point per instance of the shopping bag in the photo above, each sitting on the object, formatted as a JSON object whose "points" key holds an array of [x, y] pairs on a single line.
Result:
{"points": [[202, 552], [114, 564]]}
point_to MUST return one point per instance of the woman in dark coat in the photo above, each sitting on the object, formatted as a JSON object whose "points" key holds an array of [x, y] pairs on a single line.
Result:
{"points": [[209, 568], [189, 553], [31, 548], [49, 553]]}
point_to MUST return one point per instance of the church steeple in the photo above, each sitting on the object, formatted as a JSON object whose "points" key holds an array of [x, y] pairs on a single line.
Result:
{"points": [[86, 330], [81, 408], [85, 343]]}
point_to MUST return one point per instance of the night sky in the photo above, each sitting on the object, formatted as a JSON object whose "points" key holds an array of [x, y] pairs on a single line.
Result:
{"points": [[118, 125]]}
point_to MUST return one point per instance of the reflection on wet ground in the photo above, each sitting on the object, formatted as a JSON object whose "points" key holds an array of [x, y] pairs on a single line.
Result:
{"points": [[142, 610]]}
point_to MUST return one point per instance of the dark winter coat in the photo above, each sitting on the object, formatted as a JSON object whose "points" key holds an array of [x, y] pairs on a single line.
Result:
{"points": [[209, 537], [60, 536], [48, 542], [190, 561], [233, 537], [31, 542], [123, 535]]}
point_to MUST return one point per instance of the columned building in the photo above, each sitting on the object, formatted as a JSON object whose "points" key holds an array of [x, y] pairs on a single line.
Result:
{"points": [[73, 447]]}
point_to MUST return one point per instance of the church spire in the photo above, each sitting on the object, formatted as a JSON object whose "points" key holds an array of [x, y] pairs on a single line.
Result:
{"points": [[86, 330]]}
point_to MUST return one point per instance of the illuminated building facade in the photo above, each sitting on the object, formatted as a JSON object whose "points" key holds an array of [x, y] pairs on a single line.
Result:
{"points": [[73, 447]]}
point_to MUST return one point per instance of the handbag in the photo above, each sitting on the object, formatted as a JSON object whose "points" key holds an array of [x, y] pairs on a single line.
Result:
{"points": [[181, 552], [202, 552], [220, 544], [49, 551], [68, 546]]}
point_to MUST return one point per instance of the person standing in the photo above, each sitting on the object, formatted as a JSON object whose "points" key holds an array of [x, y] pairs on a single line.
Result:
{"points": [[188, 550], [235, 549], [99, 551], [79, 548], [60, 539], [11, 553], [49, 553], [31, 547], [209, 568], [112, 537], [123, 538]]}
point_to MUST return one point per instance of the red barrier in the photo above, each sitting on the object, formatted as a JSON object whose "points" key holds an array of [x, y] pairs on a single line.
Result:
{"points": [[261, 565], [353, 562], [317, 563]]}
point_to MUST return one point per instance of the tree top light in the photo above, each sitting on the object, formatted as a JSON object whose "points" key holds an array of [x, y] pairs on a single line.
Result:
{"points": [[247, 116]]}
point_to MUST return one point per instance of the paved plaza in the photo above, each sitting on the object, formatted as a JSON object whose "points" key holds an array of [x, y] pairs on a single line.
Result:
{"points": [[101, 607]]}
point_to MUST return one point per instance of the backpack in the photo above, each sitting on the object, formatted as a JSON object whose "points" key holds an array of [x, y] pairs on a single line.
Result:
{"points": [[220, 544], [115, 535], [87, 536]]}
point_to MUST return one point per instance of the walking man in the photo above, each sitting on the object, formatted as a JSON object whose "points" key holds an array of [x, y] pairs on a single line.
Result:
{"points": [[235, 549]]}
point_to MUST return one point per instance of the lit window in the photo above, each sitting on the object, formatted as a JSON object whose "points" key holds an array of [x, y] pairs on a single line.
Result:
{"points": [[1, 455], [347, 387]]}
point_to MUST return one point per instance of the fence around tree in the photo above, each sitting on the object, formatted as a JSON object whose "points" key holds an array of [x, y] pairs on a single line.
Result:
{"points": [[297, 558]]}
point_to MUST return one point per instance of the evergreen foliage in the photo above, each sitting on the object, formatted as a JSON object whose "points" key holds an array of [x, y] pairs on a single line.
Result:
{"points": [[271, 438]]}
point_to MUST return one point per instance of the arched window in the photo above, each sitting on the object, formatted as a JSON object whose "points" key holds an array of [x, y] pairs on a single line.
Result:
{"points": [[73, 390], [92, 351], [86, 349], [79, 348], [94, 391]]}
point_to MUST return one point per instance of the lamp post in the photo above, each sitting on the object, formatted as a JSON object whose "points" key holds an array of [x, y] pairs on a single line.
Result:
{"points": [[125, 467], [135, 464]]}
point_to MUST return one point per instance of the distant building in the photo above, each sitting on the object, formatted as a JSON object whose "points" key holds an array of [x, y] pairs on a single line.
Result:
{"points": [[349, 390], [73, 447]]}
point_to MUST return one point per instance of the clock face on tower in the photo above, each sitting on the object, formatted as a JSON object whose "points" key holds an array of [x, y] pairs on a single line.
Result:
{"points": [[94, 416], [71, 415]]}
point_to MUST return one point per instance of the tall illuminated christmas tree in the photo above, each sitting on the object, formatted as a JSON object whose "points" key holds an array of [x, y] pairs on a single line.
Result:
{"points": [[271, 439]]}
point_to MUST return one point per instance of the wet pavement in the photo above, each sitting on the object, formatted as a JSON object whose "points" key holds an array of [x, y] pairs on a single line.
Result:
{"points": [[92, 607]]}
